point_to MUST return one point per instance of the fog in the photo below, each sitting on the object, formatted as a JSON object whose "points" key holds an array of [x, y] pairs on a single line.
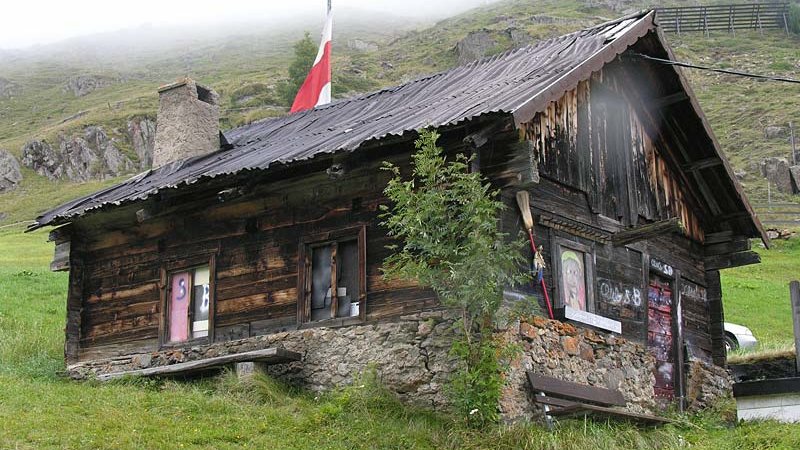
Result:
{"points": [[29, 23]]}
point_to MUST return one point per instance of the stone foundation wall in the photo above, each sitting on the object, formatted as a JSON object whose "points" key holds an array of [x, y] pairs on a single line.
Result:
{"points": [[583, 356], [411, 358], [705, 384]]}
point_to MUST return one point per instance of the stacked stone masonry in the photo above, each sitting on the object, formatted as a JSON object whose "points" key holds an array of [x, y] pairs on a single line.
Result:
{"points": [[411, 356]]}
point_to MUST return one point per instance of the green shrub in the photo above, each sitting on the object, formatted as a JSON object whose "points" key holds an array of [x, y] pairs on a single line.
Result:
{"points": [[446, 218]]}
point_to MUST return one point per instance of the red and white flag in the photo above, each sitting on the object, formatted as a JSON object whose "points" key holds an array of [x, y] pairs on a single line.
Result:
{"points": [[316, 89]]}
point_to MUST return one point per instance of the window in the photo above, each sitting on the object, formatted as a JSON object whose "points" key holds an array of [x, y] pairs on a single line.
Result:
{"points": [[188, 303], [333, 276]]}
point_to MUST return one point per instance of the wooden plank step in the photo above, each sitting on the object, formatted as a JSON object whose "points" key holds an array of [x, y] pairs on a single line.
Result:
{"points": [[600, 411], [553, 401], [267, 355], [575, 391]]}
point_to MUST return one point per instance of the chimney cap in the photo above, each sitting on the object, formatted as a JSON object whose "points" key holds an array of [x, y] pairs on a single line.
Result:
{"points": [[181, 82]]}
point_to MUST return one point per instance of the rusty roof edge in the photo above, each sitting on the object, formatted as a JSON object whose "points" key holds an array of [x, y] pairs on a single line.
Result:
{"points": [[526, 110], [756, 222]]}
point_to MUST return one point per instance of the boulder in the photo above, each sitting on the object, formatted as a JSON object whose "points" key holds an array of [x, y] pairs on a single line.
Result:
{"points": [[775, 132], [475, 45], [794, 171], [142, 134], [776, 171], [10, 175]]}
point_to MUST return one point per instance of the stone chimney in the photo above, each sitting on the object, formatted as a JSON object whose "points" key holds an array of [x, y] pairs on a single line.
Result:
{"points": [[188, 122]]}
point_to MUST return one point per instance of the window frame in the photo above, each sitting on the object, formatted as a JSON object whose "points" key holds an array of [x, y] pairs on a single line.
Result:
{"points": [[304, 278], [169, 268]]}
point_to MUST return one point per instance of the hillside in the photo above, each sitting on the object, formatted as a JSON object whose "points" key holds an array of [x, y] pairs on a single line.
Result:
{"points": [[56, 94]]}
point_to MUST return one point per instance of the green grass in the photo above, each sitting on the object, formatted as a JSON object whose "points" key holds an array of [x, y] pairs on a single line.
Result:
{"points": [[757, 296], [41, 409]]}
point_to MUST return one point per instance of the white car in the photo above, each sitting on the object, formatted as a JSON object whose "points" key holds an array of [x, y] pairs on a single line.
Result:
{"points": [[738, 336]]}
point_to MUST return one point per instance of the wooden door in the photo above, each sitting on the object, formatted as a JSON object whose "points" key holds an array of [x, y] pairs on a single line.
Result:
{"points": [[660, 334]]}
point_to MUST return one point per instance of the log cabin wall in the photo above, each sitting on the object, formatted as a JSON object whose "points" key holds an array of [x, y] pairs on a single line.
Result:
{"points": [[119, 265], [592, 169]]}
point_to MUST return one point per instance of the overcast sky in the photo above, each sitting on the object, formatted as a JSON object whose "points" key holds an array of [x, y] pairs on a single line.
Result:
{"points": [[29, 22]]}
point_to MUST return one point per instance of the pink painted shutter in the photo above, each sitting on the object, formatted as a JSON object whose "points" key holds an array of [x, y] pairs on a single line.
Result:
{"points": [[180, 297]]}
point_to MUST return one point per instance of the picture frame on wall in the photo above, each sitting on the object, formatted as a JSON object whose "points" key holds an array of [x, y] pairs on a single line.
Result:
{"points": [[574, 270]]}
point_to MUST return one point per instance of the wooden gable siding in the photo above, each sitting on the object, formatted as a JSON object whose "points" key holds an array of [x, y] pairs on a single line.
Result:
{"points": [[592, 139], [255, 240], [593, 183]]}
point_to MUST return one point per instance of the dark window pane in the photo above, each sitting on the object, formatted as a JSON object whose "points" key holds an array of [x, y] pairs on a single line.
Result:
{"points": [[321, 282], [200, 299], [347, 278]]}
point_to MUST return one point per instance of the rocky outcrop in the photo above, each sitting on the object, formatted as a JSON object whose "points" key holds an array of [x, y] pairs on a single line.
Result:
{"points": [[81, 85], [481, 43], [142, 134], [361, 46], [10, 175], [475, 45], [77, 158], [776, 171], [8, 88]]}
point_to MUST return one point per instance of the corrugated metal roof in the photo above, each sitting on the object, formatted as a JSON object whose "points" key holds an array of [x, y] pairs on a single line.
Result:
{"points": [[519, 82]]}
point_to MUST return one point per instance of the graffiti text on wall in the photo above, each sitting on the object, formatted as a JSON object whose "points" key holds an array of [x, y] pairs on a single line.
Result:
{"points": [[620, 294], [662, 268]]}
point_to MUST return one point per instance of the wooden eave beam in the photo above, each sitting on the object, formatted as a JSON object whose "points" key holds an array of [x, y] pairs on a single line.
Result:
{"points": [[700, 164], [648, 231], [735, 245], [667, 100], [729, 260]]}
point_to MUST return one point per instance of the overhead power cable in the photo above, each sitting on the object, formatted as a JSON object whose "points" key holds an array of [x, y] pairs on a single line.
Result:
{"points": [[713, 69]]}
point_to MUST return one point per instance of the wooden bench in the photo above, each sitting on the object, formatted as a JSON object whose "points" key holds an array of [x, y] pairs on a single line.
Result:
{"points": [[567, 399], [266, 356]]}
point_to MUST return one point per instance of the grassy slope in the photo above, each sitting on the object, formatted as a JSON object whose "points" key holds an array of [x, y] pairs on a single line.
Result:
{"points": [[38, 409]]}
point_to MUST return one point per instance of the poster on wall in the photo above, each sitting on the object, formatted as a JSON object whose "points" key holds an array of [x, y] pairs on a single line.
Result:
{"points": [[573, 279]]}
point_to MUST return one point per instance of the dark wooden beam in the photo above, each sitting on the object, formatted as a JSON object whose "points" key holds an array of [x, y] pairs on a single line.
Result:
{"points": [[667, 100], [702, 164], [738, 244], [719, 236], [731, 260], [648, 231]]}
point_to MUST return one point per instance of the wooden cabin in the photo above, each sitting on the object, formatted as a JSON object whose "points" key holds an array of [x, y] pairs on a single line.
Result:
{"points": [[275, 226]]}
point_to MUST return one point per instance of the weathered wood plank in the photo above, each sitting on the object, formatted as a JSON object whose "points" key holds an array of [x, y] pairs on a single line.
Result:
{"points": [[267, 356], [574, 391], [648, 231]]}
